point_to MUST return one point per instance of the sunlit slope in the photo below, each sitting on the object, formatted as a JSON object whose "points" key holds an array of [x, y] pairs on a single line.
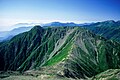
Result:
{"points": [[91, 55], [108, 29], [67, 51], [33, 48]]}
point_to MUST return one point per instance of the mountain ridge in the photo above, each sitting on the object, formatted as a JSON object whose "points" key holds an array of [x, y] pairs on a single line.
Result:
{"points": [[63, 48], [108, 29], [23, 27]]}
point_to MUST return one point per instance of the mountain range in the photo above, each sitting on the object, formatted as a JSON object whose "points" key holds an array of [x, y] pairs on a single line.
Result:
{"points": [[72, 52], [108, 29], [23, 27], [58, 24], [7, 35]]}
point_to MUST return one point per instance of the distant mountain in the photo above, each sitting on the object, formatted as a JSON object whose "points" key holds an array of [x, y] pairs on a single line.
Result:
{"points": [[7, 35], [59, 24], [108, 29], [1, 39], [23, 27], [25, 24], [65, 51], [109, 23]]}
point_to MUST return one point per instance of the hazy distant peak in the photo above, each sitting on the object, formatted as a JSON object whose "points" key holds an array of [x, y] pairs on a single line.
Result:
{"points": [[26, 24]]}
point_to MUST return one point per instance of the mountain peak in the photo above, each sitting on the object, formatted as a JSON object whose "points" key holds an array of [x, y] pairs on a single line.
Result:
{"points": [[37, 27], [109, 21]]}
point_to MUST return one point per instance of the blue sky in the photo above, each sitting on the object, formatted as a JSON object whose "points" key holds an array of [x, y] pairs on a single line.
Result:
{"points": [[44, 11]]}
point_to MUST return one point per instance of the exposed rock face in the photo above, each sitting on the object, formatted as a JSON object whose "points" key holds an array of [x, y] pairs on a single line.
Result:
{"points": [[71, 51], [91, 55]]}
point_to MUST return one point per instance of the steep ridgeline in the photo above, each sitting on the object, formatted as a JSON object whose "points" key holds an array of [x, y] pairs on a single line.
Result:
{"points": [[91, 55], [31, 49], [74, 51], [108, 29]]}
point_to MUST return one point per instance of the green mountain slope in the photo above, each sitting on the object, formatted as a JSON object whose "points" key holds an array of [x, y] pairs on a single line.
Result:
{"points": [[108, 29], [91, 55], [66, 51], [30, 49]]}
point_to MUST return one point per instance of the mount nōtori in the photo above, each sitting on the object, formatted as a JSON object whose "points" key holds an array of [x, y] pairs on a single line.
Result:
{"points": [[72, 52]]}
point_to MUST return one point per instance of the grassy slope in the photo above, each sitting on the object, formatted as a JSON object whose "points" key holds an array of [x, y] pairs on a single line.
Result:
{"points": [[92, 55], [63, 51], [107, 29], [89, 56], [60, 55]]}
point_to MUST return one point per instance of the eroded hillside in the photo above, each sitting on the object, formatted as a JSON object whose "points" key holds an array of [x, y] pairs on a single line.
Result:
{"points": [[65, 51]]}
